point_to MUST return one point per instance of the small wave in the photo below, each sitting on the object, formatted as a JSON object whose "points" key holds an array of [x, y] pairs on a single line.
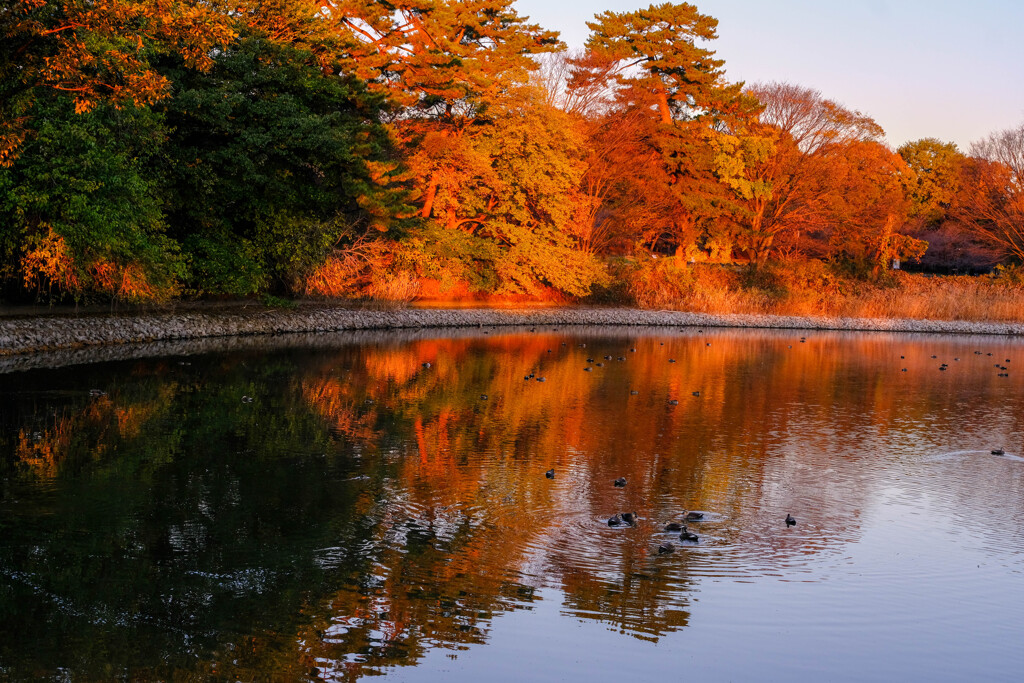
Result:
{"points": [[964, 455]]}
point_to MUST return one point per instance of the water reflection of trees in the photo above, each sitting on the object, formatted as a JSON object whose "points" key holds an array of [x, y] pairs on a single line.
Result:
{"points": [[364, 508]]}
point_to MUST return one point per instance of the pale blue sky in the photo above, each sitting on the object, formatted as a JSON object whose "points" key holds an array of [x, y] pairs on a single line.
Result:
{"points": [[920, 68]]}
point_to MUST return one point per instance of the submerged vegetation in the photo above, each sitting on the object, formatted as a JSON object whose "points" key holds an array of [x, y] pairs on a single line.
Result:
{"points": [[155, 150]]}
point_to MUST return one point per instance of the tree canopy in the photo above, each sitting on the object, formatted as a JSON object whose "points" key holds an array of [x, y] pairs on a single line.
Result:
{"points": [[152, 149]]}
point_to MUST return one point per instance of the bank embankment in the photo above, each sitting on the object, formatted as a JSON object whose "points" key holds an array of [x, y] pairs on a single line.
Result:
{"points": [[19, 335]]}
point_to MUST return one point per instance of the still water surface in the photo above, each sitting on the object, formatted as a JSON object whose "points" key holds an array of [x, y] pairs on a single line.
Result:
{"points": [[333, 508]]}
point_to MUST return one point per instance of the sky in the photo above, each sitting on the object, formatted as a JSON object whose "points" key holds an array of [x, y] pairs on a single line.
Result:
{"points": [[920, 68]]}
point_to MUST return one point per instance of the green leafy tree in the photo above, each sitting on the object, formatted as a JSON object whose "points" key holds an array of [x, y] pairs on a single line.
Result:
{"points": [[96, 52], [273, 163], [81, 211]]}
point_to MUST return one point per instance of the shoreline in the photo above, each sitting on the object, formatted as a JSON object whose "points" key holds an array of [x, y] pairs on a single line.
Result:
{"points": [[26, 335]]}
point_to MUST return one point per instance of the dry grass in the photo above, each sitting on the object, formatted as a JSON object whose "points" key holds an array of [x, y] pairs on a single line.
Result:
{"points": [[364, 270], [811, 288], [393, 289], [939, 298]]}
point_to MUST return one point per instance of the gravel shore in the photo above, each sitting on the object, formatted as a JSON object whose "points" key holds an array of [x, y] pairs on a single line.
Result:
{"points": [[41, 333]]}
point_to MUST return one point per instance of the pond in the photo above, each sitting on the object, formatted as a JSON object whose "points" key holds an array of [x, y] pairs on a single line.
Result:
{"points": [[339, 506]]}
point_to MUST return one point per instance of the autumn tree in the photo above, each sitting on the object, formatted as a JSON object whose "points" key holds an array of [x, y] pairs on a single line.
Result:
{"points": [[703, 129], [993, 206], [863, 206], [509, 226], [806, 129], [991, 202], [492, 163], [613, 149], [937, 194], [937, 169], [445, 62]]}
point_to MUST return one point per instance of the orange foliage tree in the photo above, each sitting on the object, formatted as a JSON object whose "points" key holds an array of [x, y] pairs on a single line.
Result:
{"points": [[702, 130], [863, 207], [993, 193], [806, 129], [494, 166]]}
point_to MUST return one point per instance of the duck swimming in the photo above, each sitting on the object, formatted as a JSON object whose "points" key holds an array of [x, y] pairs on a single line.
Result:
{"points": [[688, 535], [550, 474], [674, 526], [998, 451], [620, 482], [790, 521], [615, 520], [694, 516], [629, 518], [666, 548]]}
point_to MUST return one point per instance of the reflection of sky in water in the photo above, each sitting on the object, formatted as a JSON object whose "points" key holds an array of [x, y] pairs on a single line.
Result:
{"points": [[367, 511]]}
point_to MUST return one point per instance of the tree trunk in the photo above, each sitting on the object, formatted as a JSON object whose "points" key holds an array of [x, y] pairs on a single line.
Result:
{"points": [[666, 113], [428, 203]]}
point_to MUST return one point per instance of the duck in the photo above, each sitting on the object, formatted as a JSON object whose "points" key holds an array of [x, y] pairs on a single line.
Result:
{"points": [[666, 548], [550, 474], [688, 535], [790, 521], [694, 516], [998, 451], [629, 518], [615, 520], [620, 482], [674, 526]]}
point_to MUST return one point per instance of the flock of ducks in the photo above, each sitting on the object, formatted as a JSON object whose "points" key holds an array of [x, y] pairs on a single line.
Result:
{"points": [[630, 519]]}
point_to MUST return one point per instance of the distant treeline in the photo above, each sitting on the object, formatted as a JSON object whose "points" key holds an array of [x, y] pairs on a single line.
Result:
{"points": [[154, 149]]}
